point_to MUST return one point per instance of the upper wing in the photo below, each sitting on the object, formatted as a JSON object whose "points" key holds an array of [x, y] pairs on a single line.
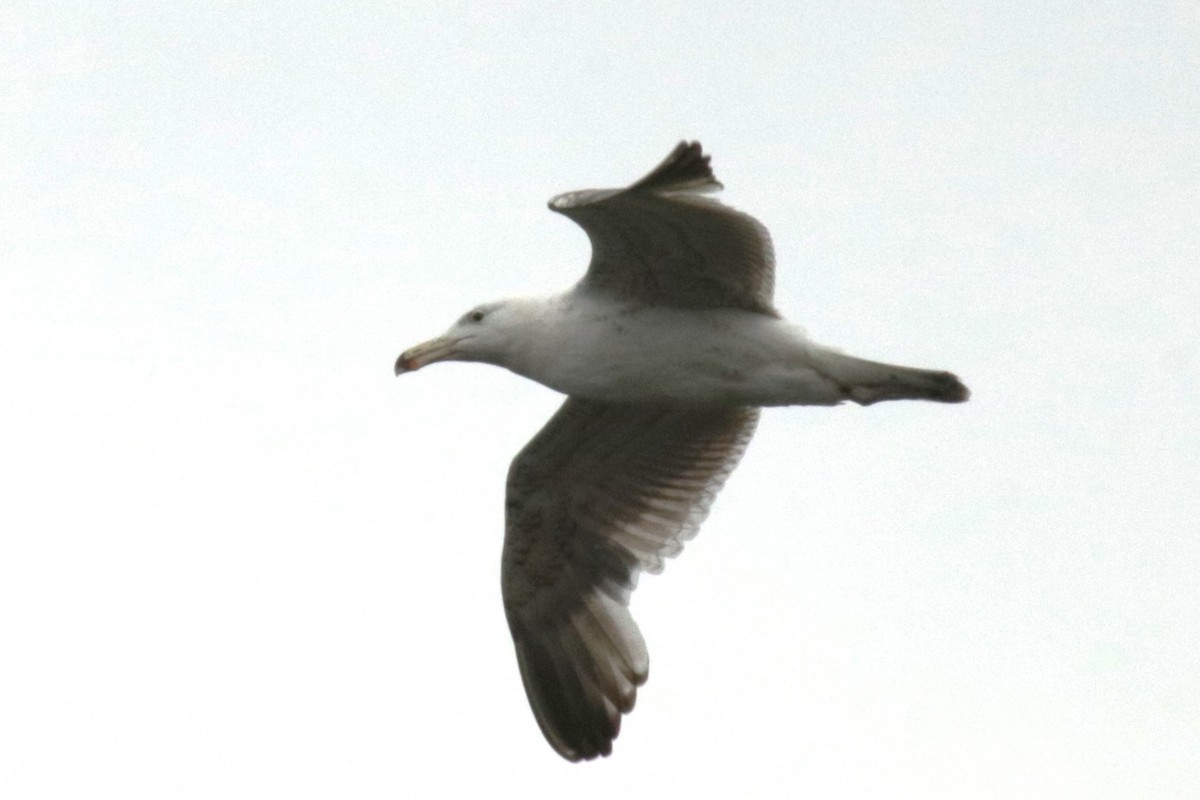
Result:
{"points": [[603, 491], [659, 242]]}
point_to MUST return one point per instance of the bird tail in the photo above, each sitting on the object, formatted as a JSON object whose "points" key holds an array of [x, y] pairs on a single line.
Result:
{"points": [[866, 382]]}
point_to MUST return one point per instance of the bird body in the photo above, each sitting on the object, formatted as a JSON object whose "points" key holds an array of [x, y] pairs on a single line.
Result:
{"points": [[665, 349], [587, 346]]}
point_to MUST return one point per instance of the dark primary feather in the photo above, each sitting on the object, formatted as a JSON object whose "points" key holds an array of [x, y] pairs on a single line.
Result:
{"points": [[603, 491], [660, 242], [685, 169]]}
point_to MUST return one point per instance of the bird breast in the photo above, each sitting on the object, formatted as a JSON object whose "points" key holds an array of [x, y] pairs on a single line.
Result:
{"points": [[653, 354]]}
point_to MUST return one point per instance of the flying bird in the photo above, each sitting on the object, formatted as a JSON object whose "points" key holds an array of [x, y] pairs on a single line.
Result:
{"points": [[666, 349]]}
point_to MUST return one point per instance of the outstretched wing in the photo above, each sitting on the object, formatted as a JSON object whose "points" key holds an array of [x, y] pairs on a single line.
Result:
{"points": [[603, 491], [660, 242]]}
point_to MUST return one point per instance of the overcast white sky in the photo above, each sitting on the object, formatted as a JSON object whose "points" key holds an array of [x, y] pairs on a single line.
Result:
{"points": [[240, 559]]}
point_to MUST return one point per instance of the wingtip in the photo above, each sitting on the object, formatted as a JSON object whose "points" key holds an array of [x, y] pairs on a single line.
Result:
{"points": [[687, 168]]}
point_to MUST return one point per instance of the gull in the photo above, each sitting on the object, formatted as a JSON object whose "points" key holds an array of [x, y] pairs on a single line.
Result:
{"points": [[666, 349]]}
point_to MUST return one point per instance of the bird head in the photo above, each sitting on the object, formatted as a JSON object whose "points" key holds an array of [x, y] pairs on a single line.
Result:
{"points": [[484, 333]]}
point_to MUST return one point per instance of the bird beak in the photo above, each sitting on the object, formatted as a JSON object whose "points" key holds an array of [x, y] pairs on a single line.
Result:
{"points": [[439, 349]]}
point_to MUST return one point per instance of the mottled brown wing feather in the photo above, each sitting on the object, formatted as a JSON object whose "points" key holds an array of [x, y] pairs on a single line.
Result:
{"points": [[660, 242], [603, 491]]}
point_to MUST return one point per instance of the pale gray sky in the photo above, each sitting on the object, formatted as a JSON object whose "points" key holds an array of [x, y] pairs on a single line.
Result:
{"points": [[240, 559]]}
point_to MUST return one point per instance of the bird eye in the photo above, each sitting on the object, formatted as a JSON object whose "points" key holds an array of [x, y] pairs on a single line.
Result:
{"points": [[476, 316]]}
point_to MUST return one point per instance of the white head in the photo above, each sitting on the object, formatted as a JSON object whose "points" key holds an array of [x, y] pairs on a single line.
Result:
{"points": [[489, 332]]}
